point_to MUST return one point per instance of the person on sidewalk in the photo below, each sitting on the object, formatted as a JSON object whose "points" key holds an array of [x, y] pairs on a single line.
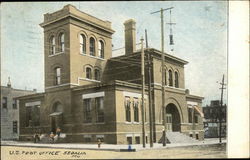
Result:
{"points": [[99, 143], [58, 131], [51, 136]]}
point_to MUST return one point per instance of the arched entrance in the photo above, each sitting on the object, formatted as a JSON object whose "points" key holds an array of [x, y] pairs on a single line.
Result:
{"points": [[172, 118], [56, 116]]}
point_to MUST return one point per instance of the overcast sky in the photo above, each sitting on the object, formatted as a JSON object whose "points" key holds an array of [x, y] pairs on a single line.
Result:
{"points": [[200, 37]]}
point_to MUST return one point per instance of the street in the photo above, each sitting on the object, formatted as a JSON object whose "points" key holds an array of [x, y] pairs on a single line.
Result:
{"points": [[202, 151]]}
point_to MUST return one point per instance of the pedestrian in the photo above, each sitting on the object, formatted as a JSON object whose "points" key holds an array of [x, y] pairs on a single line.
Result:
{"points": [[58, 131], [99, 143], [36, 137], [52, 137]]}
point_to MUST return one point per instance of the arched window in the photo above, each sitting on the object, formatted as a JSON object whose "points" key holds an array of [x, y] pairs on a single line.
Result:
{"points": [[165, 76], [136, 110], [176, 79], [57, 107], [58, 76], [52, 45], [61, 42], [88, 73], [92, 46], [97, 75], [82, 44], [170, 78], [127, 108], [101, 49]]}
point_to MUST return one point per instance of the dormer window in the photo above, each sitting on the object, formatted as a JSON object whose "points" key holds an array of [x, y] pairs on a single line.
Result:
{"points": [[101, 49], [52, 46], [82, 44], [92, 46], [61, 43]]}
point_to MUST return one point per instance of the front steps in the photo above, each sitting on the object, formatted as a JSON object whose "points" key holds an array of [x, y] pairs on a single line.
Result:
{"points": [[177, 137]]}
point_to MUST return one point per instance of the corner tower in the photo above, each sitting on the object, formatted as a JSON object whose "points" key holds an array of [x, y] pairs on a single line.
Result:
{"points": [[76, 47]]}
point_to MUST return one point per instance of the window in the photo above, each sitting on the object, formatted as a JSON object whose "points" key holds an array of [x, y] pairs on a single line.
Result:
{"points": [[170, 78], [14, 126], [4, 103], [58, 76], [28, 116], [61, 42], [129, 140], [87, 110], [82, 44], [14, 104], [101, 49], [97, 75], [32, 116], [176, 80], [99, 109], [52, 45], [92, 46], [127, 108], [87, 138], [36, 116], [137, 140], [136, 110], [165, 77], [189, 115], [196, 118], [88, 73]]}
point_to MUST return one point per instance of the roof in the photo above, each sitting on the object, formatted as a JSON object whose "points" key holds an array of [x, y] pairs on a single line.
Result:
{"points": [[155, 52]]}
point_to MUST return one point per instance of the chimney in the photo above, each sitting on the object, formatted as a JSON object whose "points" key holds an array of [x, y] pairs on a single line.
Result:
{"points": [[130, 39], [9, 83]]}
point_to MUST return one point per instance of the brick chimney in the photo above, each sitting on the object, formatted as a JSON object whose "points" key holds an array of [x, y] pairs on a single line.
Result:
{"points": [[130, 39]]}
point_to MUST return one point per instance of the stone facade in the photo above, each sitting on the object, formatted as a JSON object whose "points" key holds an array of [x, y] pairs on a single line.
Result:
{"points": [[10, 111], [89, 94]]}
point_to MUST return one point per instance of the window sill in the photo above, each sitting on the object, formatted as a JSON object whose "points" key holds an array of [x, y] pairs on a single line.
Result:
{"points": [[58, 53], [92, 56], [92, 80], [128, 122]]}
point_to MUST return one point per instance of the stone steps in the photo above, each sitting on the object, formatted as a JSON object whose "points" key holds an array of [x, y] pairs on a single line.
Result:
{"points": [[177, 137]]}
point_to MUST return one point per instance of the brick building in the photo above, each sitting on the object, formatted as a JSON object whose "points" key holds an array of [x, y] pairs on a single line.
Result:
{"points": [[10, 111], [212, 114], [89, 94]]}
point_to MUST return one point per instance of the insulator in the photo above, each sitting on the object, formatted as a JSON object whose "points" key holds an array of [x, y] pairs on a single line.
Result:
{"points": [[171, 42]]}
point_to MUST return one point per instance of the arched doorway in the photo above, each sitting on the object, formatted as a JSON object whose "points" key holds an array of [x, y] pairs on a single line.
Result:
{"points": [[56, 116], [172, 118]]}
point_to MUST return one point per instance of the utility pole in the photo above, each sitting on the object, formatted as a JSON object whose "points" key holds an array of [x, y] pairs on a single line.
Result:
{"points": [[221, 104], [163, 76], [143, 90], [149, 94]]}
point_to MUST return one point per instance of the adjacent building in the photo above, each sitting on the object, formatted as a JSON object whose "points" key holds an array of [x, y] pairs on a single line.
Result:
{"points": [[10, 111], [212, 114], [91, 95]]}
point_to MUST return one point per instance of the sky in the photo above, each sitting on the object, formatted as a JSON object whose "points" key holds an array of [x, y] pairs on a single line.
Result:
{"points": [[200, 37]]}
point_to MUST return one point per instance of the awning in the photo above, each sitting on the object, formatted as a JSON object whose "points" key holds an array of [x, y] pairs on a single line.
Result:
{"points": [[55, 114], [197, 109]]}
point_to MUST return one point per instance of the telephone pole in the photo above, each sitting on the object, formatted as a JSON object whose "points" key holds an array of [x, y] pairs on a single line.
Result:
{"points": [[162, 73], [221, 105], [143, 90], [149, 94]]}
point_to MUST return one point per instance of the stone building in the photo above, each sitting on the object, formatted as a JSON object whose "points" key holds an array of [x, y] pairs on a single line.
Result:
{"points": [[10, 111], [89, 94], [212, 114]]}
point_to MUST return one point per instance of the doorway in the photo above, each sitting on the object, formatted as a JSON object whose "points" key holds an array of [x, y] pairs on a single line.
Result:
{"points": [[172, 118]]}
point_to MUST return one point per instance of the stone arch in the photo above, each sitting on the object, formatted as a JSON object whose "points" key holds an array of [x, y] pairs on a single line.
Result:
{"points": [[178, 106]]}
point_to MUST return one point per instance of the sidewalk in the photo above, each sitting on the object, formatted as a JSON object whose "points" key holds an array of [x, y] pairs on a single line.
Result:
{"points": [[110, 147]]}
